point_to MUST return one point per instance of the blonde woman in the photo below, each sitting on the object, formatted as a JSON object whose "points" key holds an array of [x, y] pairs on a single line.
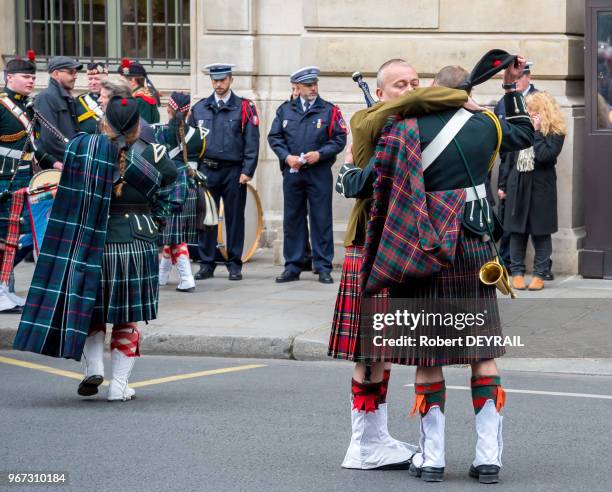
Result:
{"points": [[531, 192]]}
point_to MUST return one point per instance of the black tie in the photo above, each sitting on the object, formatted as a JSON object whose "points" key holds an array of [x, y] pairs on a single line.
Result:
{"points": [[306, 107], [220, 103]]}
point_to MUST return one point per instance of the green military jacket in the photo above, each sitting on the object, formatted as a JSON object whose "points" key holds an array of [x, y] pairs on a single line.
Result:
{"points": [[14, 120], [147, 105], [127, 226], [366, 127], [477, 142], [89, 112]]}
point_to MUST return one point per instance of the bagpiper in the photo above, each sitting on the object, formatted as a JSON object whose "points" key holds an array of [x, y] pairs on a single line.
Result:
{"points": [[89, 112], [430, 232], [142, 89], [98, 263], [186, 145], [398, 92], [16, 159]]}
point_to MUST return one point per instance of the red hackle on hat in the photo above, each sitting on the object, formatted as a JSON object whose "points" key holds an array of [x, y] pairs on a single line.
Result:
{"points": [[124, 102], [31, 55], [125, 63], [497, 63]]}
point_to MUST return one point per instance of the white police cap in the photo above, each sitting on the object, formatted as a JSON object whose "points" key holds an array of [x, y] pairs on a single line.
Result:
{"points": [[219, 71], [305, 75]]}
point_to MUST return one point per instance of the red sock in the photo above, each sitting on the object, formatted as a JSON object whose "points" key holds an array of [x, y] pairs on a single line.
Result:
{"points": [[366, 396], [384, 387], [126, 339]]}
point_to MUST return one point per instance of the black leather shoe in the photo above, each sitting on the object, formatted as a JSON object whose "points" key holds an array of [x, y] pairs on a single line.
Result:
{"points": [[235, 275], [15, 310], [326, 278], [89, 385], [427, 473], [549, 276], [287, 276], [485, 473], [203, 273]]}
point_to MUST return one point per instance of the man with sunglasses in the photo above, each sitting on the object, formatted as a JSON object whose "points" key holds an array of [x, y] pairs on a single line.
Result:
{"points": [[57, 105]]}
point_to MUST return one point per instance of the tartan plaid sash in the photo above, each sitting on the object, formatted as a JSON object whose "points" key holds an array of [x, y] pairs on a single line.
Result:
{"points": [[57, 315], [410, 233], [12, 236]]}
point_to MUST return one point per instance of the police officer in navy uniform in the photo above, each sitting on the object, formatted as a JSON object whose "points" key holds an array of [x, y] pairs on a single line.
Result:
{"points": [[229, 163], [307, 135]]}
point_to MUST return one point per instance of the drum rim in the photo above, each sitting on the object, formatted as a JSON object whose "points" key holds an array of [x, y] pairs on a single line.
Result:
{"points": [[40, 173], [249, 254]]}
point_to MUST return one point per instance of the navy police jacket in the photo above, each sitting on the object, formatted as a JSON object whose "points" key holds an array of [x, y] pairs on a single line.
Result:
{"points": [[234, 131], [321, 129]]}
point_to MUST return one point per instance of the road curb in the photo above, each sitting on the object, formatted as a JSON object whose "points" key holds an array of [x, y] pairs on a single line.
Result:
{"points": [[305, 348]]}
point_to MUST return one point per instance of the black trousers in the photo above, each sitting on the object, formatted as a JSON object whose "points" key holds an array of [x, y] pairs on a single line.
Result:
{"points": [[541, 261], [504, 242], [308, 193], [224, 183]]}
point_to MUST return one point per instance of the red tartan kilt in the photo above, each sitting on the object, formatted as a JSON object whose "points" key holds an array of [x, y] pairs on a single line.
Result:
{"points": [[459, 280], [344, 337]]}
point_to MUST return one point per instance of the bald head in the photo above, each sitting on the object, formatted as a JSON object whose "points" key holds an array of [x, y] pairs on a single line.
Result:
{"points": [[394, 78]]}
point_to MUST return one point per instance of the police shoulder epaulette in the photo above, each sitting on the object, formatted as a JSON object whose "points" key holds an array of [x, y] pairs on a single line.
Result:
{"points": [[159, 151]]}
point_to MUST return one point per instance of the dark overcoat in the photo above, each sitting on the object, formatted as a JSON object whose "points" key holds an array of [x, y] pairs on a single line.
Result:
{"points": [[531, 197]]}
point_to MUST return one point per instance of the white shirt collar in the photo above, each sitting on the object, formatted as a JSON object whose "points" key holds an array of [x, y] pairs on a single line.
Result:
{"points": [[304, 101], [225, 99]]}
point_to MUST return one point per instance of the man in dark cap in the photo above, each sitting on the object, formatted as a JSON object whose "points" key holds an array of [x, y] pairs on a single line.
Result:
{"points": [[229, 163], [436, 166], [57, 106], [306, 135], [89, 112], [143, 89], [15, 159]]}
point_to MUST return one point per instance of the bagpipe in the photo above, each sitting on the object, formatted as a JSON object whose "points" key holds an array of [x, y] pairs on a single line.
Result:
{"points": [[358, 78]]}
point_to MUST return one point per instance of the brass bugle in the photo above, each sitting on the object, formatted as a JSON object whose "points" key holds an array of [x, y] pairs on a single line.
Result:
{"points": [[494, 273]]}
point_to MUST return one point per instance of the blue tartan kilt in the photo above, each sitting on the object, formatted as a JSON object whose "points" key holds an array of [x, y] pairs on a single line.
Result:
{"points": [[129, 287], [181, 226], [22, 180]]}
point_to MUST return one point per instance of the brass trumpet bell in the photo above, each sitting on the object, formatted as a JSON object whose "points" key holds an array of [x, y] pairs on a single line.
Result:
{"points": [[494, 273]]}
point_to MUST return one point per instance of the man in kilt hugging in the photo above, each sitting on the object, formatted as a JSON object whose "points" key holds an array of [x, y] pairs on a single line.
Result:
{"points": [[438, 192], [98, 264], [186, 145]]}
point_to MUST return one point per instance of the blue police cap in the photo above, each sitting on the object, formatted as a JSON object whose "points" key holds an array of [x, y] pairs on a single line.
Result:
{"points": [[305, 75], [218, 71]]}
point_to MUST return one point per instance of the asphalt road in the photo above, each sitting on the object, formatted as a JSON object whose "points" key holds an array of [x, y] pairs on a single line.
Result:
{"points": [[284, 426]]}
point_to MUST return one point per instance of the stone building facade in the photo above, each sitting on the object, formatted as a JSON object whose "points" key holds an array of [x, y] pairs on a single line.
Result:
{"points": [[269, 39]]}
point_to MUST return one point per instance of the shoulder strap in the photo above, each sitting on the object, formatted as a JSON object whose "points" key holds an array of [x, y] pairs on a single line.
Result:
{"points": [[176, 150], [444, 137], [16, 111], [497, 124]]}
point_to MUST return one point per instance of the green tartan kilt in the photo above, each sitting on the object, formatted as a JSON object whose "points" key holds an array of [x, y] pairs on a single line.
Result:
{"points": [[129, 287], [22, 180], [181, 226]]}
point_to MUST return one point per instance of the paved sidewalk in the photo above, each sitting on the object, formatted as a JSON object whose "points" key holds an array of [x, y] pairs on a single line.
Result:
{"points": [[259, 318]]}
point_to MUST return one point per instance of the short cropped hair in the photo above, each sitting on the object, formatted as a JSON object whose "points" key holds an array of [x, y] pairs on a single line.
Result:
{"points": [[119, 87], [381, 71], [451, 76]]}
